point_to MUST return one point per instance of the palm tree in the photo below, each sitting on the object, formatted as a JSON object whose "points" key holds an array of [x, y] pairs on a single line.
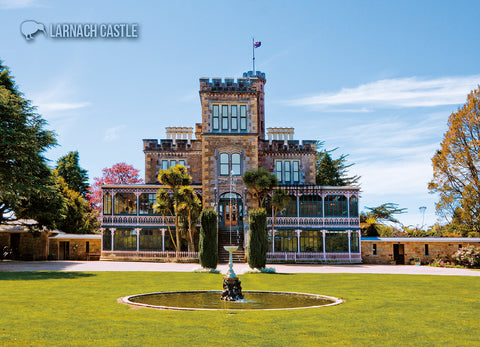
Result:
{"points": [[164, 206], [280, 200], [174, 178], [190, 206]]}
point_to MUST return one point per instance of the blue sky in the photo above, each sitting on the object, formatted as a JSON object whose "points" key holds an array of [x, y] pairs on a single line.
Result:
{"points": [[377, 79]]}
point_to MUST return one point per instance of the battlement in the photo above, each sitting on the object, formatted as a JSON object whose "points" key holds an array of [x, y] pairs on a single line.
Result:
{"points": [[249, 83], [288, 146]]}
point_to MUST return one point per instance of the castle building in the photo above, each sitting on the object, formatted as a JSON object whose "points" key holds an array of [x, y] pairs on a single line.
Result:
{"points": [[319, 224]]}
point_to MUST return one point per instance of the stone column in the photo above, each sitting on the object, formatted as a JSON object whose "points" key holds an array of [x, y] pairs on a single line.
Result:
{"points": [[112, 232]]}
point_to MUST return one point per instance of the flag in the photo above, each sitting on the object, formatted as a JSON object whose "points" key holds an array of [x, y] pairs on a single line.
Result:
{"points": [[257, 44]]}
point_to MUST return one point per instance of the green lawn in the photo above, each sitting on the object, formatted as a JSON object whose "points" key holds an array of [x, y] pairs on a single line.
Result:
{"points": [[72, 308]]}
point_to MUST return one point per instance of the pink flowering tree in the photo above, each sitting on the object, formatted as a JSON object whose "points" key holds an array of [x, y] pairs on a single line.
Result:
{"points": [[119, 173]]}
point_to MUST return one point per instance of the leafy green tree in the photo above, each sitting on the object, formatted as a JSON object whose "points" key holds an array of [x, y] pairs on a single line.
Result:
{"points": [[69, 168], [46, 204], [456, 166], [208, 248], [279, 202], [27, 189], [79, 217], [173, 179], [333, 172], [257, 239], [260, 183], [189, 206]]}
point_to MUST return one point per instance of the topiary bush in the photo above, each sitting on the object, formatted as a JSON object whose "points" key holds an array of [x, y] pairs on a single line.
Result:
{"points": [[257, 240], [208, 249], [468, 256]]}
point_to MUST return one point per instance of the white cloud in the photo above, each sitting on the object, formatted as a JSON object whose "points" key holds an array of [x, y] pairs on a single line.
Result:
{"points": [[58, 97], [400, 92], [17, 4], [111, 134], [60, 106]]}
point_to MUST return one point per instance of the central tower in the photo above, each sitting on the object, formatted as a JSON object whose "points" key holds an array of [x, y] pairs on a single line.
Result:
{"points": [[233, 122]]}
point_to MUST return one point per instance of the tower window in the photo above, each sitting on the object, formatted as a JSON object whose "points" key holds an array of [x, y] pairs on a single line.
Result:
{"points": [[243, 117], [224, 164], [215, 118], [225, 117], [230, 163], [234, 118]]}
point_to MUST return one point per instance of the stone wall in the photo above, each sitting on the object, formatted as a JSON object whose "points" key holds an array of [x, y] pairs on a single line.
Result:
{"points": [[436, 250], [77, 249], [32, 245]]}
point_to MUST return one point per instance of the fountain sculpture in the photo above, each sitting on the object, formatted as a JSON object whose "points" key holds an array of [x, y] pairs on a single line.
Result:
{"points": [[232, 288]]}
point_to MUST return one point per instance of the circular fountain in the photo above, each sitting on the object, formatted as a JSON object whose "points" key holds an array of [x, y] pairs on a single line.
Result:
{"points": [[231, 298]]}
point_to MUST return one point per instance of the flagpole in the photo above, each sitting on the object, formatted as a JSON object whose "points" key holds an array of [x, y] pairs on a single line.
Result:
{"points": [[253, 53]]}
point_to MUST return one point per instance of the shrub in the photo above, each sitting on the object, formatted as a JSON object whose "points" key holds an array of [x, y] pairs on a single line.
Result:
{"points": [[468, 256], [257, 240], [208, 249]]}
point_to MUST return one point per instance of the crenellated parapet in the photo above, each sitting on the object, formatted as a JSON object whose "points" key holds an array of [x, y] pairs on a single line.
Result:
{"points": [[287, 146], [249, 83]]}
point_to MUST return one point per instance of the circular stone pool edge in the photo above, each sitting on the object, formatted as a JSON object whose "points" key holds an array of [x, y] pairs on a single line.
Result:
{"points": [[126, 300]]}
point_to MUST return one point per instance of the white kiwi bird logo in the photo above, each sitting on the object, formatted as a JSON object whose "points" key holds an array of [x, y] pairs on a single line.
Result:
{"points": [[30, 27]]}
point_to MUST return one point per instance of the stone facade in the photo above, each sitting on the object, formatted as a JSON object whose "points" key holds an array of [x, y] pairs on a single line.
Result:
{"points": [[230, 140], [381, 250], [75, 247], [25, 244]]}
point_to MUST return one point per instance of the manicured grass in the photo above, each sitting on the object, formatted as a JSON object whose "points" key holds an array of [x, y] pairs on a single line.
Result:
{"points": [[71, 308]]}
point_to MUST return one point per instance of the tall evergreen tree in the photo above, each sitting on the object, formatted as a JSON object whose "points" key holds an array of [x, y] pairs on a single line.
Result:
{"points": [[69, 168], [25, 178], [327, 172], [333, 171]]}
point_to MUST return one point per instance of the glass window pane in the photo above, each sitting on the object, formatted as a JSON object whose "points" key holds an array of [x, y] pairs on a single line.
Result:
{"points": [[243, 117], [173, 163], [215, 117], [236, 164], [287, 171], [296, 173], [234, 117], [164, 164], [181, 162], [107, 204], [278, 170], [125, 203], [224, 164], [224, 117]]}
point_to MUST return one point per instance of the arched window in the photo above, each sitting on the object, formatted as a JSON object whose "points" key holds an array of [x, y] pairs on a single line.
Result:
{"points": [[224, 164], [230, 163], [236, 164]]}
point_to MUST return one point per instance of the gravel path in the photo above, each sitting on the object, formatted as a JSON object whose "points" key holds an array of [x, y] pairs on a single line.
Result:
{"points": [[238, 268]]}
